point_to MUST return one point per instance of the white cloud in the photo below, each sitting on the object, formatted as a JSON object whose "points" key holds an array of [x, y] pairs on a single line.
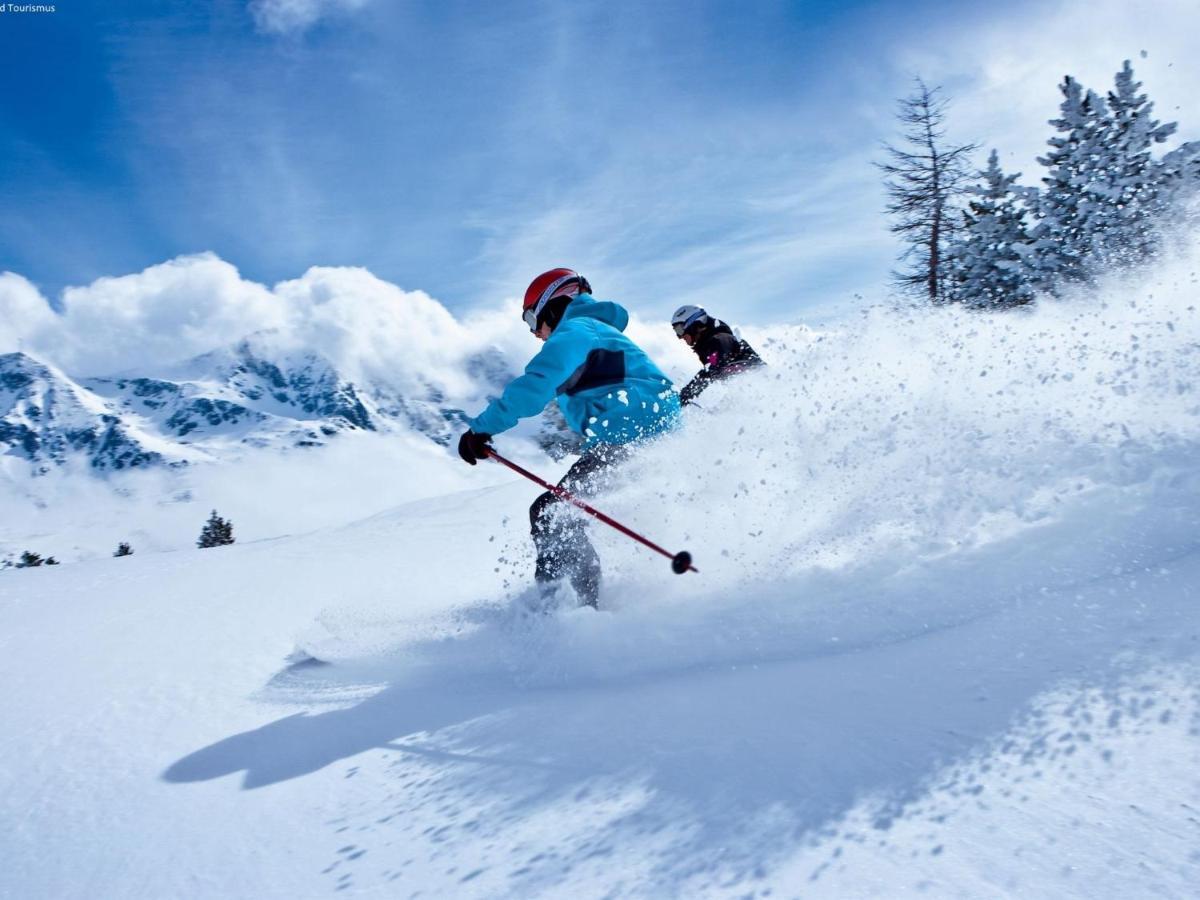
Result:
{"points": [[147, 322], [162, 314], [368, 326], [24, 313], [291, 16]]}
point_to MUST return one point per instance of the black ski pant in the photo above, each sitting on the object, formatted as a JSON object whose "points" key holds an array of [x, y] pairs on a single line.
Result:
{"points": [[559, 531]]}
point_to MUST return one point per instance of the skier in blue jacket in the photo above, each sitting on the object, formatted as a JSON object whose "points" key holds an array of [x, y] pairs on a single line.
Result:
{"points": [[609, 392]]}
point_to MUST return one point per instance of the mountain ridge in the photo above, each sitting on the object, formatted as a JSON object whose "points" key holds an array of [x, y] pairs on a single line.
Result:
{"points": [[245, 396]]}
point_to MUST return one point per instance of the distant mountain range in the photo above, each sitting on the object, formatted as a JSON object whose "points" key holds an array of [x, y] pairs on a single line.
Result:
{"points": [[214, 406]]}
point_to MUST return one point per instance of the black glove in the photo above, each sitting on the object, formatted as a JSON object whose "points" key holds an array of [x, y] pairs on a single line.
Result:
{"points": [[472, 446]]}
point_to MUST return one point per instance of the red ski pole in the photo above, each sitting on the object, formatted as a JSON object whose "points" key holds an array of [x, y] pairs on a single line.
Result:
{"points": [[680, 562]]}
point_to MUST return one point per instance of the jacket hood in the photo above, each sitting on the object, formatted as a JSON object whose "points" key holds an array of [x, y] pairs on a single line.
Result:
{"points": [[585, 306]]}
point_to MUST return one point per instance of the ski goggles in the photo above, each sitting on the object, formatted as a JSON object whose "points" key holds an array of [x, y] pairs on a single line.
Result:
{"points": [[530, 319], [554, 289]]}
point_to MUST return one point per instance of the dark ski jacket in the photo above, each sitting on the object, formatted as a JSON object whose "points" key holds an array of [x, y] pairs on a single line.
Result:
{"points": [[723, 354]]}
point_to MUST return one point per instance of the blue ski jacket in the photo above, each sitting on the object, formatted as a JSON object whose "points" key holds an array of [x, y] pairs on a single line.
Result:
{"points": [[607, 387]]}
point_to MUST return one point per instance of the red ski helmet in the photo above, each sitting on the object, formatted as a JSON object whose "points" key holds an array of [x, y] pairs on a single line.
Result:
{"points": [[547, 286]]}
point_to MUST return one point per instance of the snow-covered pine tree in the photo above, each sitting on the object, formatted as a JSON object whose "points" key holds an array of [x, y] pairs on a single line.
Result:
{"points": [[217, 532], [1181, 176], [123, 549], [1139, 192], [1073, 206], [990, 261], [924, 181]]}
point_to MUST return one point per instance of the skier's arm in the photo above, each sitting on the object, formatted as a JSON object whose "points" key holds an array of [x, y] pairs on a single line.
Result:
{"points": [[692, 389], [527, 394], [720, 351]]}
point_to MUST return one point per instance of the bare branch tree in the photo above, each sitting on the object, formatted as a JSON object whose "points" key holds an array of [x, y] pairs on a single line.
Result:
{"points": [[924, 179]]}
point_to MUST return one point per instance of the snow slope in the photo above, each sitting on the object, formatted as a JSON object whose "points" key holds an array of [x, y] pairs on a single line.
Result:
{"points": [[945, 642]]}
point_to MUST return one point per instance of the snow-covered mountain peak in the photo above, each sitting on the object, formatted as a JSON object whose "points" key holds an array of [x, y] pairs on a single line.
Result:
{"points": [[46, 418], [262, 392]]}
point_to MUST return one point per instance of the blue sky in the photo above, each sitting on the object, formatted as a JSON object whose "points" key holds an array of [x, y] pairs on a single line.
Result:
{"points": [[713, 152]]}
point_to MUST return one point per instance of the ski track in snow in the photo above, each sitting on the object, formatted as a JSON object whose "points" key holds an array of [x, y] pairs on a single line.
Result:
{"points": [[944, 642]]}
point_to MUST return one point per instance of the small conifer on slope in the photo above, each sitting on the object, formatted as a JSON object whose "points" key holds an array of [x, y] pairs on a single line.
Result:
{"points": [[217, 532]]}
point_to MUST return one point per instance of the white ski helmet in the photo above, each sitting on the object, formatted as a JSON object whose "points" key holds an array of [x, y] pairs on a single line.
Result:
{"points": [[687, 316]]}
